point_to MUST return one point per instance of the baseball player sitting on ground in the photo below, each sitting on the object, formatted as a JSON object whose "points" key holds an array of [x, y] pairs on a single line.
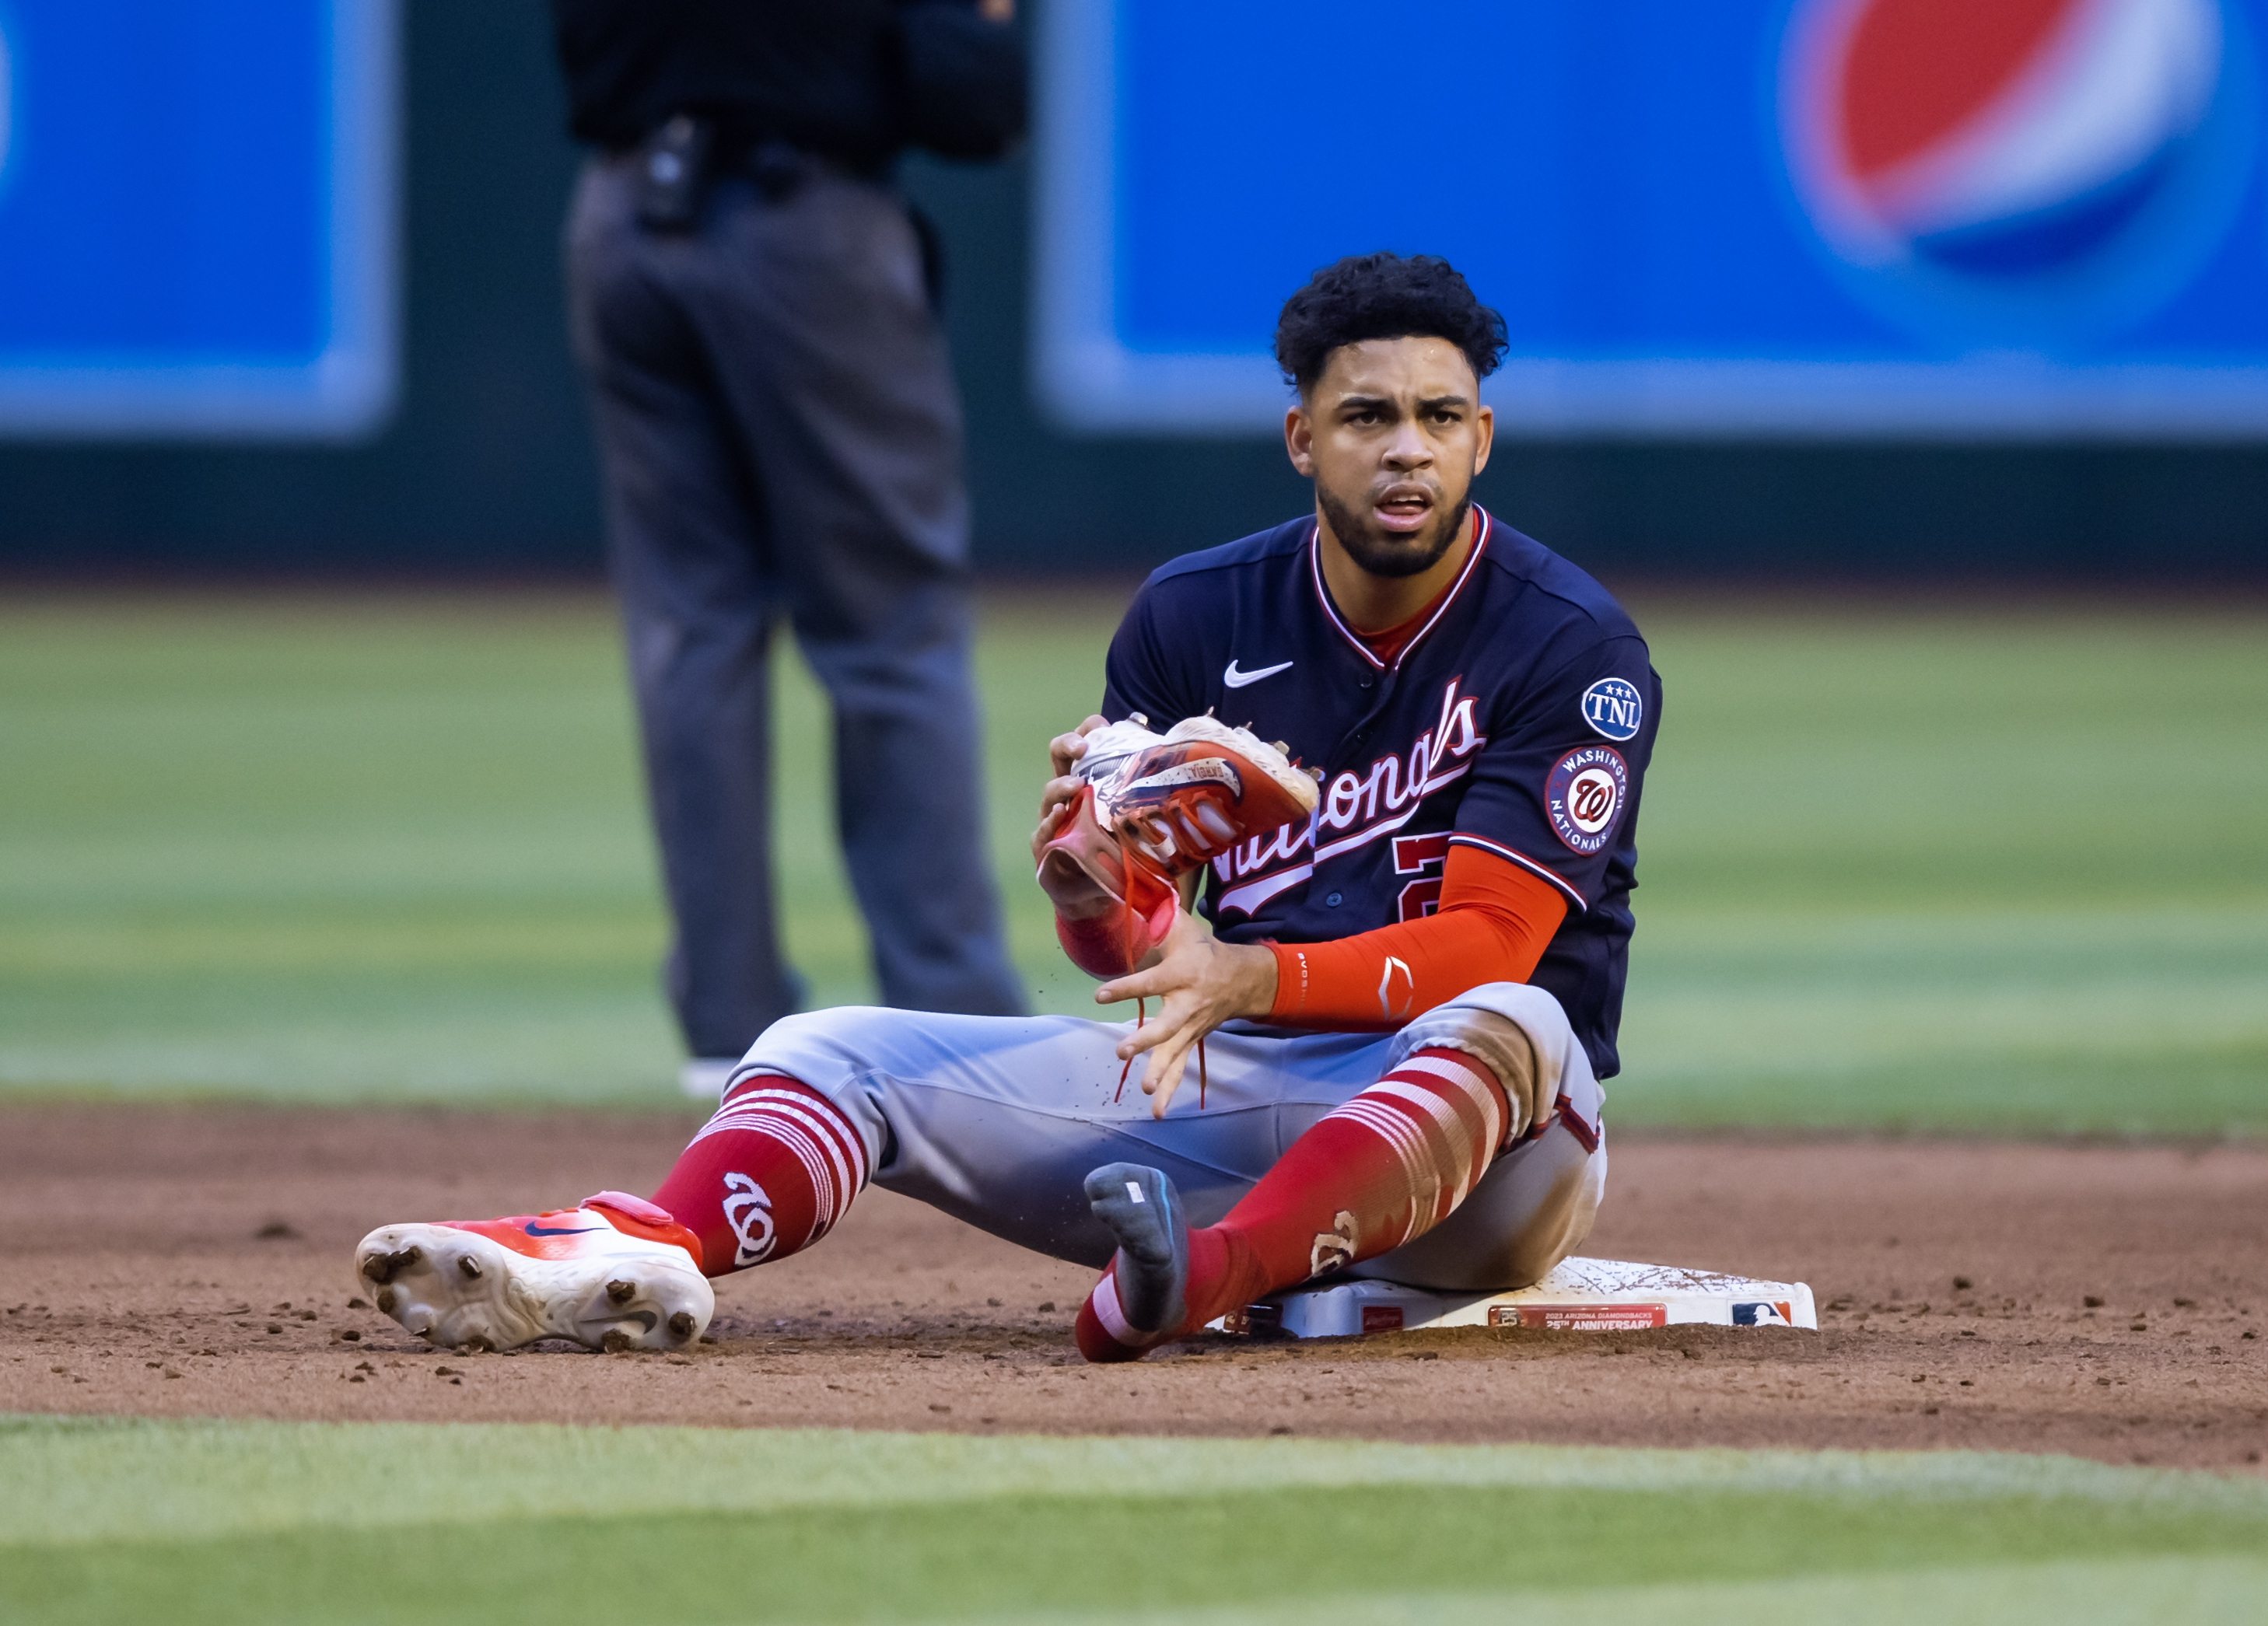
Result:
{"points": [[1394, 998]]}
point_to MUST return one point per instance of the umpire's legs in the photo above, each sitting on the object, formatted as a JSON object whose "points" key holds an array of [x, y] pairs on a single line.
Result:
{"points": [[781, 434], [832, 369], [687, 543], [909, 806]]}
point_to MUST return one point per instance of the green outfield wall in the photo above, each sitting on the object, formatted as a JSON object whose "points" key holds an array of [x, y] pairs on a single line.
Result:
{"points": [[486, 467]]}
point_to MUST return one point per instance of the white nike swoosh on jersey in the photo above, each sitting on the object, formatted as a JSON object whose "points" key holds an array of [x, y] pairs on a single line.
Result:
{"points": [[1238, 680]]}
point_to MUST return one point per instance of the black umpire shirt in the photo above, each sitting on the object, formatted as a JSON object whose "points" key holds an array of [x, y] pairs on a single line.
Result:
{"points": [[856, 80]]}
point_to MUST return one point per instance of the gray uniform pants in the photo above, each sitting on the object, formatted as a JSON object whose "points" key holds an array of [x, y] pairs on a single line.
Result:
{"points": [[1000, 1121], [780, 437]]}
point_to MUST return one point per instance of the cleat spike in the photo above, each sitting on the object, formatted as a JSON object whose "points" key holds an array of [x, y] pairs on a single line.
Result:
{"points": [[618, 1342], [386, 1299], [622, 1292], [682, 1325], [385, 1267], [470, 1265]]}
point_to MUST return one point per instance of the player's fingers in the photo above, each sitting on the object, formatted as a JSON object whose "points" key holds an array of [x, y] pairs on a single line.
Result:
{"points": [[1161, 1076], [1055, 815], [1065, 749], [1060, 791], [1150, 1035], [1149, 984]]}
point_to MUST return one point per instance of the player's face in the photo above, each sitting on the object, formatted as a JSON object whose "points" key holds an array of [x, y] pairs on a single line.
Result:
{"points": [[1392, 434]]}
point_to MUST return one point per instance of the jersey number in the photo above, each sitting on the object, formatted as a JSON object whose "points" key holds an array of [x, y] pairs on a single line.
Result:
{"points": [[1415, 855]]}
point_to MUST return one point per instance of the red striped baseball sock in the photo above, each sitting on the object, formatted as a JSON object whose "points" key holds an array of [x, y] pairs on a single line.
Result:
{"points": [[767, 1176], [1387, 1166]]}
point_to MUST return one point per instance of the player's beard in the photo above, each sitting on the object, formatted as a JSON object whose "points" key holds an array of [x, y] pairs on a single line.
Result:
{"points": [[1380, 552]]}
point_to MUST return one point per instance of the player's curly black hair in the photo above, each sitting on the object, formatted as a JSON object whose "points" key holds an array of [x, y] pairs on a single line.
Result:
{"points": [[1384, 296]]}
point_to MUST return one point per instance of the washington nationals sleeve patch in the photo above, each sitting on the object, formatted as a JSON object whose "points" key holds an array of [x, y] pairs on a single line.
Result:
{"points": [[1583, 795]]}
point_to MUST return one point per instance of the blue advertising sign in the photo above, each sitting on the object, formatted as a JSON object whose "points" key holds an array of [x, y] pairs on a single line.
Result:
{"points": [[196, 216], [1966, 218]]}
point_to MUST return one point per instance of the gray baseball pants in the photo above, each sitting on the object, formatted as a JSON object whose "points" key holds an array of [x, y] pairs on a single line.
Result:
{"points": [[780, 438], [1000, 1121]]}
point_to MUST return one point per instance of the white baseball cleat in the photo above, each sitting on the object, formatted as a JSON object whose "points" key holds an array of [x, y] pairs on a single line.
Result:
{"points": [[609, 1275]]}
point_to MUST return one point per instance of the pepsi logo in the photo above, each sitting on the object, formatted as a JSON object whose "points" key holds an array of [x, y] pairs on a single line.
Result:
{"points": [[1614, 707], [1582, 795], [2016, 172]]}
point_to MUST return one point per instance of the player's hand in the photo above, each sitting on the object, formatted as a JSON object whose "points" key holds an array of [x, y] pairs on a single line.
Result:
{"points": [[1059, 792], [1203, 982]]}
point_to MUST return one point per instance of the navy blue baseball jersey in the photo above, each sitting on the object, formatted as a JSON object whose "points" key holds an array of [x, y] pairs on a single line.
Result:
{"points": [[1519, 720]]}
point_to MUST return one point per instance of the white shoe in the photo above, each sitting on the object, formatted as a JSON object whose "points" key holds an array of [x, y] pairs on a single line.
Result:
{"points": [[705, 1077], [1113, 745], [582, 1273]]}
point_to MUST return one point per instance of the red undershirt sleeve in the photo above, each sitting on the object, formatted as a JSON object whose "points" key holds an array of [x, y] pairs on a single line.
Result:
{"points": [[1493, 923]]}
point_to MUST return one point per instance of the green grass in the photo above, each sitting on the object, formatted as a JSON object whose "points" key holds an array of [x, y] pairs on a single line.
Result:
{"points": [[191, 1521], [1909, 870], [1985, 872]]}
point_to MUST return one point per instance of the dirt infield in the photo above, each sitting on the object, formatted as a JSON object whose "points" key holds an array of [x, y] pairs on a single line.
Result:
{"points": [[179, 1261]]}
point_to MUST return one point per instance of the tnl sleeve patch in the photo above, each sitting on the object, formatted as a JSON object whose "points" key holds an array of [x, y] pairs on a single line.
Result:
{"points": [[1612, 707], [1583, 795]]}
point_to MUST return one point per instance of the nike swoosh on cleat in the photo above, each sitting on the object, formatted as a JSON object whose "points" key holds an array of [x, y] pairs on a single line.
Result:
{"points": [[1238, 680], [549, 1231]]}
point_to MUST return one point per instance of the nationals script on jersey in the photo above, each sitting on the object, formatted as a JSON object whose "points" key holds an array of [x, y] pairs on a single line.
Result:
{"points": [[1519, 720]]}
